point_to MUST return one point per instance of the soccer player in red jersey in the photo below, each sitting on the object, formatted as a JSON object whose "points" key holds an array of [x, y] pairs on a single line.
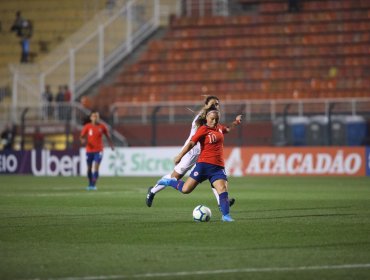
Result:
{"points": [[189, 159], [210, 164], [92, 135]]}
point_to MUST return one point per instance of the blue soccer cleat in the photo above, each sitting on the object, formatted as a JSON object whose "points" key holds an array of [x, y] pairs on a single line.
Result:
{"points": [[166, 181], [227, 218], [91, 188]]}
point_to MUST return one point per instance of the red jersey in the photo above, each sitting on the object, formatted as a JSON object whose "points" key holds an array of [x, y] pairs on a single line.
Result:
{"points": [[94, 134], [212, 144]]}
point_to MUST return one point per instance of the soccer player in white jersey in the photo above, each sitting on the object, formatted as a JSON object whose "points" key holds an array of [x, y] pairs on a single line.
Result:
{"points": [[190, 158]]}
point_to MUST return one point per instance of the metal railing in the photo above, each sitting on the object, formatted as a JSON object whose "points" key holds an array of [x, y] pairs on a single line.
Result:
{"points": [[205, 7], [84, 59], [73, 115], [55, 116], [252, 110]]}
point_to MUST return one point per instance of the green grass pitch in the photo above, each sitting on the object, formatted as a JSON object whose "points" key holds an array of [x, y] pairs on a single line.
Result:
{"points": [[285, 228]]}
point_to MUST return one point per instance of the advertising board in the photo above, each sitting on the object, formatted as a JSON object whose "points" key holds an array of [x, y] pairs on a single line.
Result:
{"points": [[245, 161]]}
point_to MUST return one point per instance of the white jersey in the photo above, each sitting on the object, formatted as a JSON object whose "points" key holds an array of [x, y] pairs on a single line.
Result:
{"points": [[193, 129], [191, 157]]}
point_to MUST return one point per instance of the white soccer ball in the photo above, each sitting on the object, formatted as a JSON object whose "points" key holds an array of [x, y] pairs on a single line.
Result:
{"points": [[202, 213]]}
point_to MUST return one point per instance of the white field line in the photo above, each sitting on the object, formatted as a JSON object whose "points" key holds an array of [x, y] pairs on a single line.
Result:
{"points": [[214, 272], [83, 192]]}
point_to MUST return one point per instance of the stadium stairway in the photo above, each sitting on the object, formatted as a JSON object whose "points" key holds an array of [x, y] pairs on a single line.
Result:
{"points": [[54, 22], [32, 70]]}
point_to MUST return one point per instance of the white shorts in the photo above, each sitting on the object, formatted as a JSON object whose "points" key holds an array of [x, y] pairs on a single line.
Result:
{"points": [[188, 161]]}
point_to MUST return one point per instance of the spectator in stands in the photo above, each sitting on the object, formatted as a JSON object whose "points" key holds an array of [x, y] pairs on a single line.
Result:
{"points": [[25, 46], [17, 24], [47, 98], [4, 92], [38, 139], [59, 99], [24, 29], [67, 100], [60, 94], [7, 137], [293, 6], [67, 94]]}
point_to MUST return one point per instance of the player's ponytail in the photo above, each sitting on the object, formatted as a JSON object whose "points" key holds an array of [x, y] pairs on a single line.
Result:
{"points": [[209, 98], [203, 115]]}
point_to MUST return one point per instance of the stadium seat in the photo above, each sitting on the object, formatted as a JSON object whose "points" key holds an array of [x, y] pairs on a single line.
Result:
{"points": [[319, 52]]}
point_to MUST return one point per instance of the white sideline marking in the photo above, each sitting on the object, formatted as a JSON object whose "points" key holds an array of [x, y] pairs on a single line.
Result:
{"points": [[220, 271]]}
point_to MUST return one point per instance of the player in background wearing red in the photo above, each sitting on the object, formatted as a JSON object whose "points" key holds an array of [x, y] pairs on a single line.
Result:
{"points": [[92, 135], [210, 164]]}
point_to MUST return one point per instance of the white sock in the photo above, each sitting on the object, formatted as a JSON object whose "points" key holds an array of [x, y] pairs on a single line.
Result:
{"points": [[158, 188], [216, 195]]}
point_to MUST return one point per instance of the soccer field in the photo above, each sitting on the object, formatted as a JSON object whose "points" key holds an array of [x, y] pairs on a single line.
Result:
{"points": [[285, 228]]}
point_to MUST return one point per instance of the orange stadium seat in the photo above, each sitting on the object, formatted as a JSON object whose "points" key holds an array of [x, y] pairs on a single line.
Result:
{"points": [[321, 51]]}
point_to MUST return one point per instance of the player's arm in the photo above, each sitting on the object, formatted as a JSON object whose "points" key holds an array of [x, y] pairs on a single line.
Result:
{"points": [[235, 123], [83, 136], [186, 149], [201, 131], [110, 142]]}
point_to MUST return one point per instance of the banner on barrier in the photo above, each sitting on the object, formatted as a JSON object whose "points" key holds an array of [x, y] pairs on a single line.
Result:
{"points": [[259, 161], [40, 163], [135, 161], [316, 161]]}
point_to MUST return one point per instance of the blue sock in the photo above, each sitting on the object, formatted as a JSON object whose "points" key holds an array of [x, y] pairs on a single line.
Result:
{"points": [[224, 203], [177, 185], [95, 177], [89, 176]]}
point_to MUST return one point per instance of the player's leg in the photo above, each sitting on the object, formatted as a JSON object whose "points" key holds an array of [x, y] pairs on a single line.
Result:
{"points": [[214, 173], [222, 189], [89, 173], [183, 187], [196, 176], [189, 185], [218, 179], [95, 174], [89, 163], [216, 195], [231, 200], [158, 187], [186, 163]]}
